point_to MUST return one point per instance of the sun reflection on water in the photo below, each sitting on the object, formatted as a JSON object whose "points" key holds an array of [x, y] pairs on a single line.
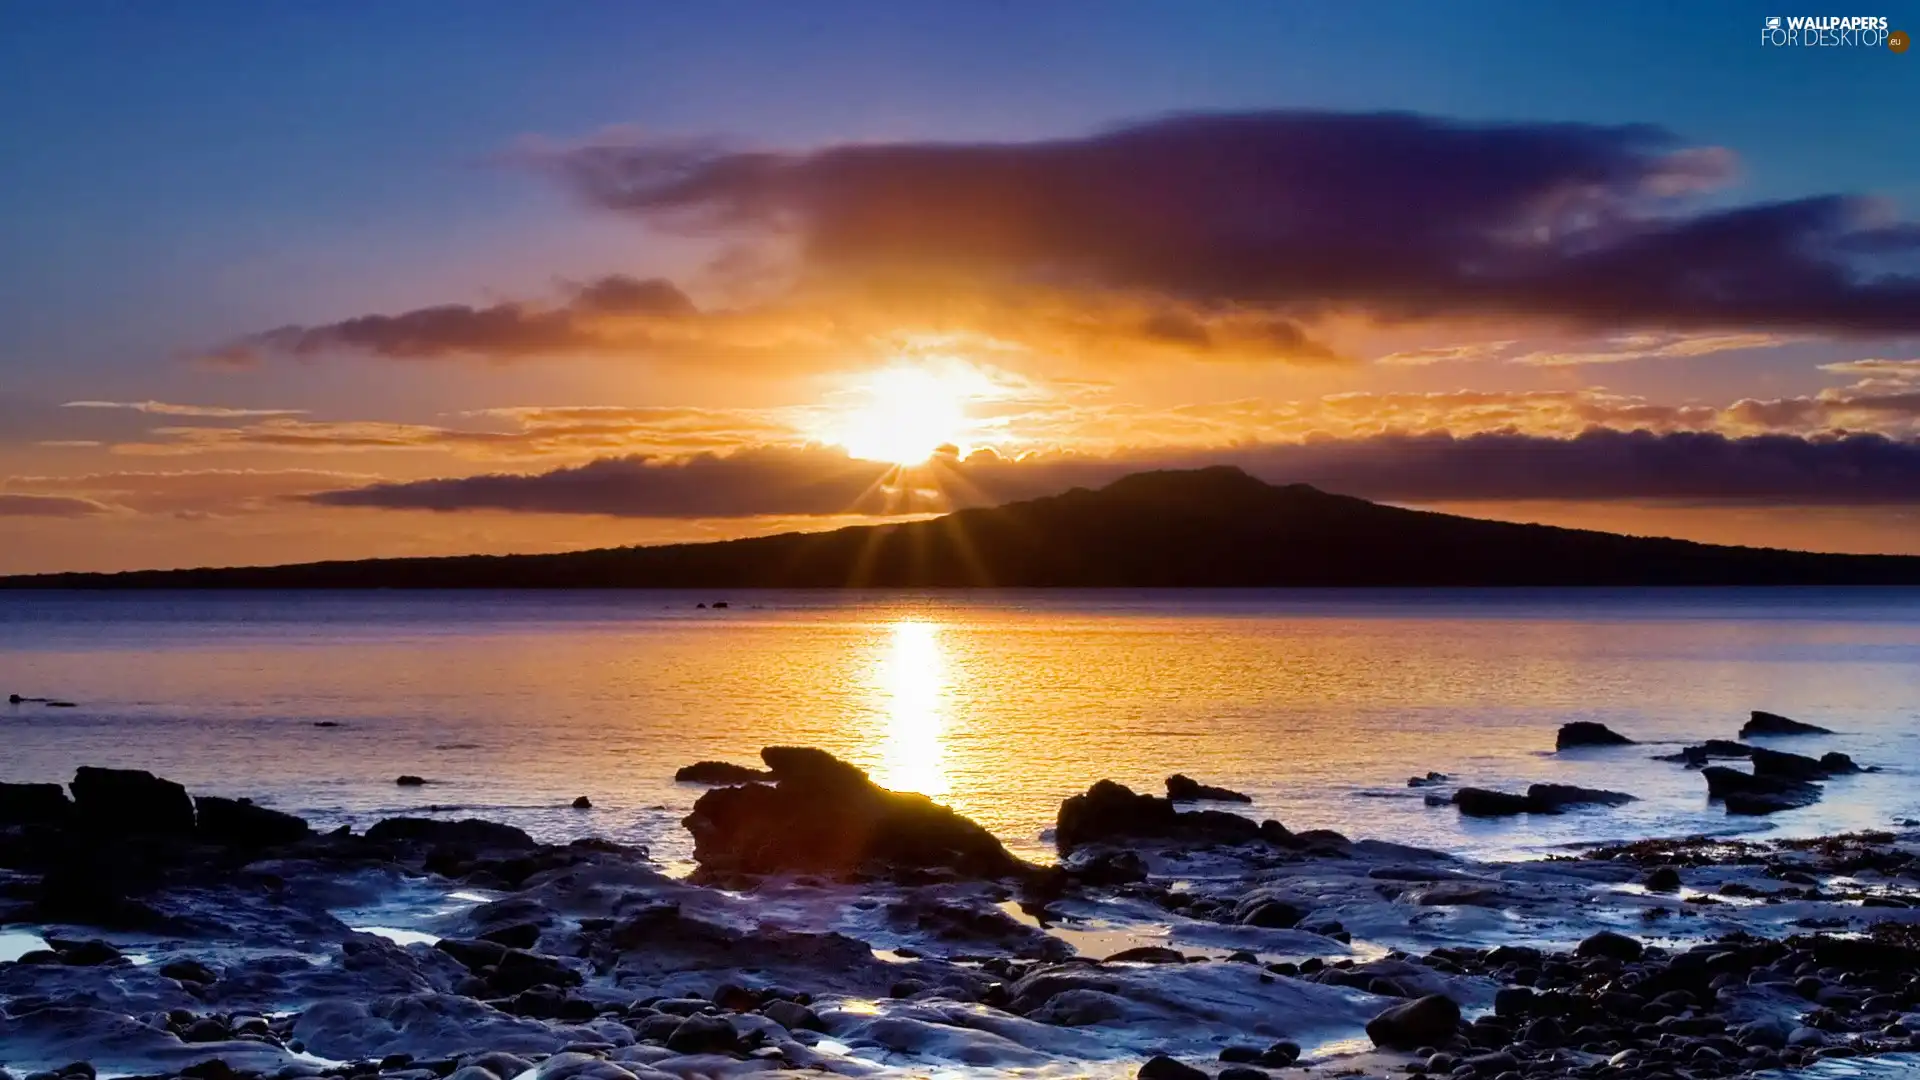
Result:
{"points": [[911, 685]]}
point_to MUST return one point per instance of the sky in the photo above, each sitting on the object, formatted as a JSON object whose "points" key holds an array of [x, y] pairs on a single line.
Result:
{"points": [[291, 282]]}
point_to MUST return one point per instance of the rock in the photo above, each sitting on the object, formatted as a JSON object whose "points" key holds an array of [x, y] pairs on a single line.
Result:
{"points": [[1548, 798], [1271, 914], [90, 953], [720, 773], [410, 780], [14, 699], [1800, 767], [471, 833], [1162, 1067], [1664, 879], [702, 1034], [239, 823], [1745, 793], [1766, 723], [1242, 1072], [1113, 813], [34, 804], [1588, 733], [1428, 780], [793, 1016], [823, 815], [1613, 946], [1426, 1021], [130, 802], [1183, 788], [1148, 954], [1480, 802], [188, 970], [583, 803]]}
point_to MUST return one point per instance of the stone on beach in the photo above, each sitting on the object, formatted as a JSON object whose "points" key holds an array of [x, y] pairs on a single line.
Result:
{"points": [[1766, 723], [1748, 794], [1588, 733], [1559, 796], [34, 804], [130, 802], [823, 815], [1184, 788], [719, 773], [1428, 1021], [1539, 799], [470, 833]]}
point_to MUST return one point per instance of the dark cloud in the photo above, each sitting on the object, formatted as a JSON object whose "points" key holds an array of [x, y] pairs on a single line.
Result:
{"points": [[1394, 214], [1596, 465], [54, 506], [500, 331]]}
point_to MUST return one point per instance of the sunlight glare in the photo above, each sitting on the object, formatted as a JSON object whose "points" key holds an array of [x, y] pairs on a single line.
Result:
{"points": [[912, 683], [906, 413]]}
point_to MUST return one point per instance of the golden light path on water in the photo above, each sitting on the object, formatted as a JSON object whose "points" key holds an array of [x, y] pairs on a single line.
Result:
{"points": [[911, 682]]}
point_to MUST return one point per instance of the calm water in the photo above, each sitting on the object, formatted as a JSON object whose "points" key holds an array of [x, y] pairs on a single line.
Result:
{"points": [[1318, 704]]}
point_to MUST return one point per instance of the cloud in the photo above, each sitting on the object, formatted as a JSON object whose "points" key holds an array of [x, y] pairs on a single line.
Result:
{"points": [[1595, 465], [194, 491], [1396, 215], [53, 506], [1889, 370], [163, 408], [1631, 347]]}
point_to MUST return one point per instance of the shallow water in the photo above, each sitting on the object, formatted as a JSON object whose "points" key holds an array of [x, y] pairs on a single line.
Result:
{"points": [[1318, 704]]}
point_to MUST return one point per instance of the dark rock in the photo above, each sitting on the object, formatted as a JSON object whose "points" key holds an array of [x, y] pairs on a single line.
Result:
{"points": [[471, 833], [519, 970], [1428, 780], [1183, 788], [823, 815], [1588, 733], [1513, 1001], [793, 1016], [1745, 793], [1779, 763], [34, 804], [1242, 1072], [1552, 797], [1110, 812], [410, 780], [1664, 879], [1162, 1067], [239, 823], [1613, 946], [1148, 954], [130, 802], [91, 953], [1272, 914], [188, 970], [1480, 802], [205, 1030], [701, 1034], [1766, 723], [1427, 1021], [720, 772], [1281, 1054], [583, 803]]}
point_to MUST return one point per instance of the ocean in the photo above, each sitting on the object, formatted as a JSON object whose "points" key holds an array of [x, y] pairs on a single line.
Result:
{"points": [[1320, 705]]}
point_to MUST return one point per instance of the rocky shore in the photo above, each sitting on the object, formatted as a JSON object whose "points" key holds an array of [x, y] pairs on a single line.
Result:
{"points": [[833, 926]]}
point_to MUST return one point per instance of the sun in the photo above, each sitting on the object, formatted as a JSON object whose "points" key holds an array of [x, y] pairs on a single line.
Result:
{"points": [[904, 414]]}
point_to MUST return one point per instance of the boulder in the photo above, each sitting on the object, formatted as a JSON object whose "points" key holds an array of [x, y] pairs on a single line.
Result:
{"points": [[1162, 1067], [1610, 945], [700, 1034], [410, 780], [1588, 733], [239, 823], [1766, 723], [583, 803], [1480, 802], [130, 802], [1428, 780], [1701, 753], [1799, 766], [1662, 879], [1745, 793], [1548, 798], [1426, 1021], [1183, 788], [471, 833], [34, 804], [1113, 813], [720, 773], [823, 815]]}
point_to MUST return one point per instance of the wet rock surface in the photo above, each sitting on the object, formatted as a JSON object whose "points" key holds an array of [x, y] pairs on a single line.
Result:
{"points": [[1766, 723], [1588, 733]]}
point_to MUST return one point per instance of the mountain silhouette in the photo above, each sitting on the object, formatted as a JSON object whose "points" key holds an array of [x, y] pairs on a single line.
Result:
{"points": [[1213, 527]]}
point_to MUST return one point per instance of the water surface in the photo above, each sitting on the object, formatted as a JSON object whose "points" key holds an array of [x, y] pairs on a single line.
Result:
{"points": [[1320, 704]]}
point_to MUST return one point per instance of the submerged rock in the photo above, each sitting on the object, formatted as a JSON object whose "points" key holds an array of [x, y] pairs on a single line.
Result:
{"points": [[1183, 788], [823, 815], [130, 802], [720, 772], [583, 803], [1701, 753], [1162, 1067], [1745, 793], [1426, 1021], [1539, 799], [1557, 796], [1766, 723], [1588, 733], [1428, 780], [471, 833], [239, 823], [410, 780], [1799, 766], [1115, 813], [1482, 802]]}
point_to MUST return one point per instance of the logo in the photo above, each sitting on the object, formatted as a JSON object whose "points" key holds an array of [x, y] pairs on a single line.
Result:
{"points": [[1827, 31]]}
